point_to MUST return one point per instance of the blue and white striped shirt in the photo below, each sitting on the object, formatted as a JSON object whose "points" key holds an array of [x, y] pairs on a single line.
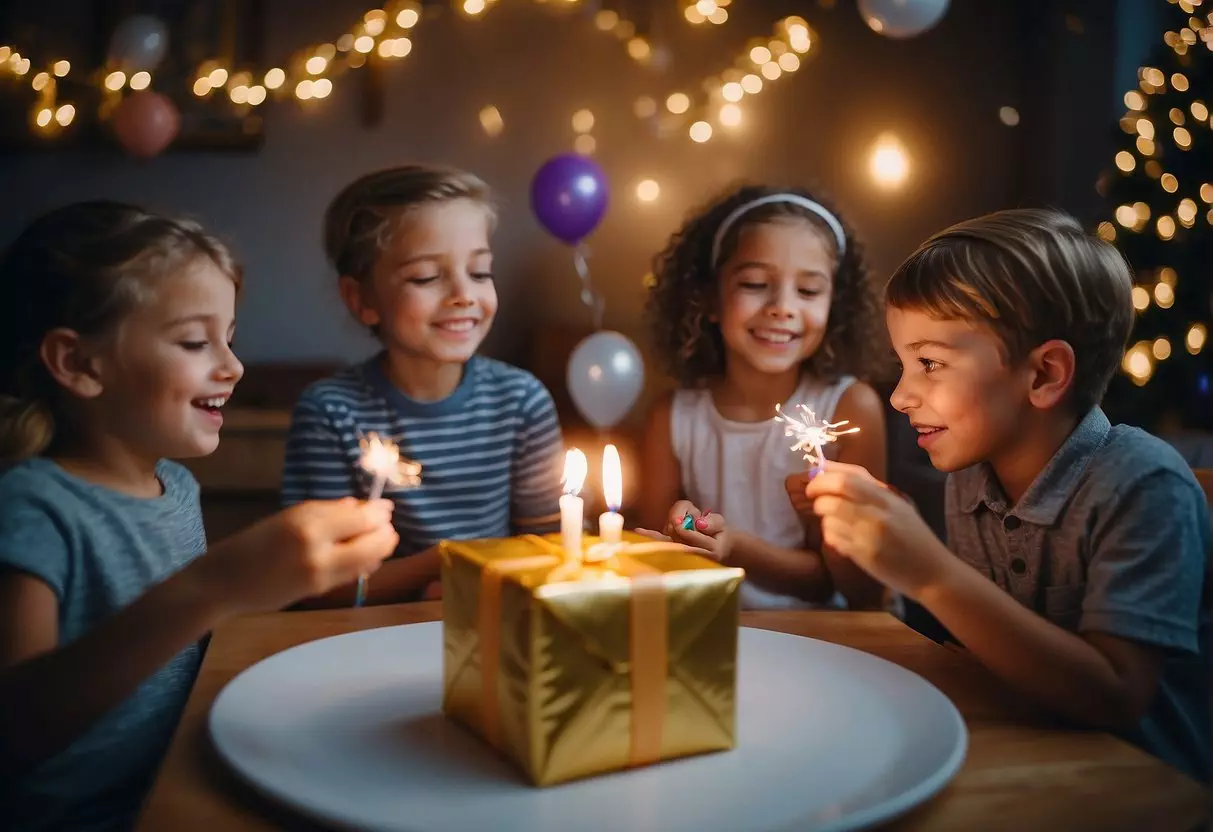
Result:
{"points": [[490, 452]]}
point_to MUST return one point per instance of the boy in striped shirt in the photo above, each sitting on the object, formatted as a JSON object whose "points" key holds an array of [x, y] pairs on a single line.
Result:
{"points": [[411, 247]]}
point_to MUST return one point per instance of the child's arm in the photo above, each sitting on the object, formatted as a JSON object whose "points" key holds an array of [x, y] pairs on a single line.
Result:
{"points": [[316, 466], [862, 407], [660, 487], [397, 581], [51, 694], [1103, 676], [536, 467], [794, 572]]}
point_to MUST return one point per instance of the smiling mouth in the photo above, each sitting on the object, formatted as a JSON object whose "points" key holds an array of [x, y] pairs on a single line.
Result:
{"points": [[460, 325], [211, 404], [777, 337]]}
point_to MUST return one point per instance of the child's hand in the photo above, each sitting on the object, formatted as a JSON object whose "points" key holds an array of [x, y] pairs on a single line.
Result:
{"points": [[707, 530], [864, 520], [801, 504], [303, 551]]}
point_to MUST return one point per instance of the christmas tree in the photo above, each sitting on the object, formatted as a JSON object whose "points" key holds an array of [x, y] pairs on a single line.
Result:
{"points": [[1160, 195]]}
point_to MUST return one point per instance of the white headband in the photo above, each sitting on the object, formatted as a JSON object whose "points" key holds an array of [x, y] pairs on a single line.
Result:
{"points": [[792, 199]]}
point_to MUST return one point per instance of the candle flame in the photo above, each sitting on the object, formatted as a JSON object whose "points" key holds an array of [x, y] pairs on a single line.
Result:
{"points": [[381, 458], [812, 436], [575, 469], [612, 478]]}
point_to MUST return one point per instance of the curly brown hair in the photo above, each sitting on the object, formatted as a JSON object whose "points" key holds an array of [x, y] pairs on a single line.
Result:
{"points": [[686, 291]]}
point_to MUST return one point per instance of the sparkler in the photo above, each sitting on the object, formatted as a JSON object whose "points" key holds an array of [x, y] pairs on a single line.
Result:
{"points": [[811, 436], [381, 458]]}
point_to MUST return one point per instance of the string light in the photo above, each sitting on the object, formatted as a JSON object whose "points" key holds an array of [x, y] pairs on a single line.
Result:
{"points": [[585, 144], [1137, 363], [321, 88], [1164, 295], [730, 115], [1195, 340], [408, 17], [1161, 349], [40, 81], [1141, 298], [141, 80], [218, 77], [256, 95], [678, 103], [274, 78], [115, 81], [491, 121], [645, 107], [647, 190], [700, 132], [583, 121], [1125, 161]]}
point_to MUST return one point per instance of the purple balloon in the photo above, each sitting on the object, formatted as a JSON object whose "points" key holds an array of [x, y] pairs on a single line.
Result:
{"points": [[569, 197]]}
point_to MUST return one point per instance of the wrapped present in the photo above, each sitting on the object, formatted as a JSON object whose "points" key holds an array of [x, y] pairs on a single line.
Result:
{"points": [[572, 669]]}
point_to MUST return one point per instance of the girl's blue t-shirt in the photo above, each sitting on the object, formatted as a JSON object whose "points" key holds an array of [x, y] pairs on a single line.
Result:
{"points": [[98, 550]]}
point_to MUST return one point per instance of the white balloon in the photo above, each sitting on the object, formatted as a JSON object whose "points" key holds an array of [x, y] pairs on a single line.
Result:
{"points": [[139, 43], [605, 377], [902, 18]]}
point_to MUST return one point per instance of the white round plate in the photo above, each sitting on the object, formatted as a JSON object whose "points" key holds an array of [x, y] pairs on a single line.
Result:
{"points": [[349, 730]]}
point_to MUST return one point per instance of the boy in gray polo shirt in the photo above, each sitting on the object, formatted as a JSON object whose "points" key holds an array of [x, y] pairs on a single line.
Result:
{"points": [[1078, 568]]}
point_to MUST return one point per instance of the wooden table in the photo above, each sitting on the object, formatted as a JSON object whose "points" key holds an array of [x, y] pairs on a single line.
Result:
{"points": [[1020, 773]]}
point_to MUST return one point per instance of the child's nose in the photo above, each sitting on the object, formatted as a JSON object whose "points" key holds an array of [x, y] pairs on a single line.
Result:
{"points": [[902, 399]]}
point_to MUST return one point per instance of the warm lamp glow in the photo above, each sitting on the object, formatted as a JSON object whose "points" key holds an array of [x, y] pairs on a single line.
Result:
{"points": [[890, 165]]}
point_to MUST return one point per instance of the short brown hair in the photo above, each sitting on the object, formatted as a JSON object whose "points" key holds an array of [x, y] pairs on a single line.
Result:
{"points": [[362, 218], [84, 267], [1031, 276]]}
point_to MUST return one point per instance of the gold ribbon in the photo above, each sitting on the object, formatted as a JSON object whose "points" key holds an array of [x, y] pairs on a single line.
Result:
{"points": [[648, 642]]}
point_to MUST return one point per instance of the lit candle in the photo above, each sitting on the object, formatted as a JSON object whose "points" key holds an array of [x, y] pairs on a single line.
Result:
{"points": [[610, 522], [571, 504], [381, 458]]}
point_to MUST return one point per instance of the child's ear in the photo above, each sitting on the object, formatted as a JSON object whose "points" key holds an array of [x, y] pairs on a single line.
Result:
{"points": [[1052, 365], [71, 362], [354, 294]]}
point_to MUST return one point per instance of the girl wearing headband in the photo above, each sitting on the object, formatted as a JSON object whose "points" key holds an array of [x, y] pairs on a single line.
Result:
{"points": [[762, 298]]}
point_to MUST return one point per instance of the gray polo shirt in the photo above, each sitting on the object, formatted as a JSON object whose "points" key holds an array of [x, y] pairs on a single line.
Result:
{"points": [[1113, 536]]}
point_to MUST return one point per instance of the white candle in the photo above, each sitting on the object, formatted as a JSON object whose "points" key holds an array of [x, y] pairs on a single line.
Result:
{"points": [[572, 507], [610, 522]]}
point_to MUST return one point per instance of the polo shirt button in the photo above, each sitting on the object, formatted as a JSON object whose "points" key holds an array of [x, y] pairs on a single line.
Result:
{"points": [[1018, 566], [1011, 523]]}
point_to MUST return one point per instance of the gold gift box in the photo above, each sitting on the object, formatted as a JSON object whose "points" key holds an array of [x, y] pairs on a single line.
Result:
{"points": [[574, 669]]}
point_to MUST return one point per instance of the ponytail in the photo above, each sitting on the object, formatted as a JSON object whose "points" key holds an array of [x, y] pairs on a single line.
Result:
{"points": [[27, 427]]}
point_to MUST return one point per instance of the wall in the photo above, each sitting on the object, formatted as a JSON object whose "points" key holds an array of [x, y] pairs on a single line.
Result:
{"points": [[940, 92]]}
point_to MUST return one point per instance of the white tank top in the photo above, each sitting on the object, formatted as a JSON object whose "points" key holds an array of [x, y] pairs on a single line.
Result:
{"points": [[737, 469]]}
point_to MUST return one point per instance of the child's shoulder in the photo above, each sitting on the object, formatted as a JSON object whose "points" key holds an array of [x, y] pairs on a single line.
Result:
{"points": [[1133, 459], [348, 387], [512, 384], [36, 481]]}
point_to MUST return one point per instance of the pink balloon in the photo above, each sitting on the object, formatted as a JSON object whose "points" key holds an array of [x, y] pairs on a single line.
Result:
{"points": [[146, 123]]}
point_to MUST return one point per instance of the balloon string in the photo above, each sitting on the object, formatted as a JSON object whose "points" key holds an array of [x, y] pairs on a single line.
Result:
{"points": [[589, 297]]}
